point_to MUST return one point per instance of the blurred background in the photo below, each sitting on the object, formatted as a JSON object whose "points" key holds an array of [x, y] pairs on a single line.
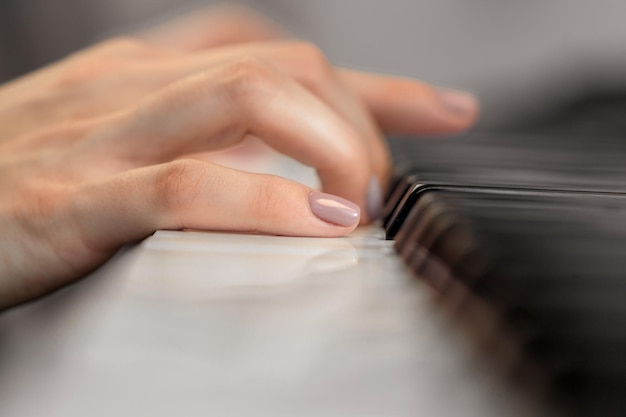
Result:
{"points": [[518, 56]]}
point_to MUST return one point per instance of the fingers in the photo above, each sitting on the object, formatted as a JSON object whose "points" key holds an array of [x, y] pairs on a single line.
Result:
{"points": [[220, 107], [327, 125], [300, 105], [409, 107], [398, 105], [216, 26], [307, 65], [193, 194]]}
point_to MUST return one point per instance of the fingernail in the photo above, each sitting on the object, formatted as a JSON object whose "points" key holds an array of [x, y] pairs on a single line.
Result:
{"points": [[333, 209], [458, 102], [374, 198]]}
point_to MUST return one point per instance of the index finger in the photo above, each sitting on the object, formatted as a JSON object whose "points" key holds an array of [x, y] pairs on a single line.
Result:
{"points": [[406, 106]]}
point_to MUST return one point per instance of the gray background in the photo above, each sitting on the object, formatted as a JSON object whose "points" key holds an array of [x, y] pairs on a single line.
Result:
{"points": [[516, 55]]}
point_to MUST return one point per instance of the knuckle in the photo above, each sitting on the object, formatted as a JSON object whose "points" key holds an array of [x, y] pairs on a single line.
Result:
{"points": [[311, 52], [178, 183], [250, 77], [317, 68]]}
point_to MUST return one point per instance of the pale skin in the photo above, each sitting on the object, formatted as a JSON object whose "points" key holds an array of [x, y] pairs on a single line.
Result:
{"points": [[98, 150]]}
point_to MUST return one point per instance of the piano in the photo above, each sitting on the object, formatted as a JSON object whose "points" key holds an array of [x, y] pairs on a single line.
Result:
{"points": [[523, 232]]}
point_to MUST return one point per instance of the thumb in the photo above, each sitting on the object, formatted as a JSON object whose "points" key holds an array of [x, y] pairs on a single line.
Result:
{"points": [[193, 194]]}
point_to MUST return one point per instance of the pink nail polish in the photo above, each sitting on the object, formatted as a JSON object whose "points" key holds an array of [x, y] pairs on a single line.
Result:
{"points": [[458, 102], [333, 209]]}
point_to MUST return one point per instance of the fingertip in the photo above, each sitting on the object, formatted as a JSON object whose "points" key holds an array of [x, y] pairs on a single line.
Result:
{"points": [[461, 107], [410, 107]]}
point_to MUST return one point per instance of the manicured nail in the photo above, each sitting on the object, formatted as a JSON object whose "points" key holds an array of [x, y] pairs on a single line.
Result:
{"points": [[374, 198], [333, 209], [458, 102]]}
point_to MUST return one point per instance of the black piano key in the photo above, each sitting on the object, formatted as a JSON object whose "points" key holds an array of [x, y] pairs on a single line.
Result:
{"points": [[397, 191], [529, 224], [549, 257]]}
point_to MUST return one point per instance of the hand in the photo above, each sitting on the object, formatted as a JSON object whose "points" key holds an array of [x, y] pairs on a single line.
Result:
{"points": [[95, 150]]}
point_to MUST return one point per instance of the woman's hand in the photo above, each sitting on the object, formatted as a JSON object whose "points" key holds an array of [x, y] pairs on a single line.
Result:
{"points": [[95, 150]]}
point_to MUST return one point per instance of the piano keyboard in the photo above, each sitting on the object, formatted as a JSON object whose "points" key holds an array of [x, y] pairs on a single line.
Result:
{"points": [[522, 233]]}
